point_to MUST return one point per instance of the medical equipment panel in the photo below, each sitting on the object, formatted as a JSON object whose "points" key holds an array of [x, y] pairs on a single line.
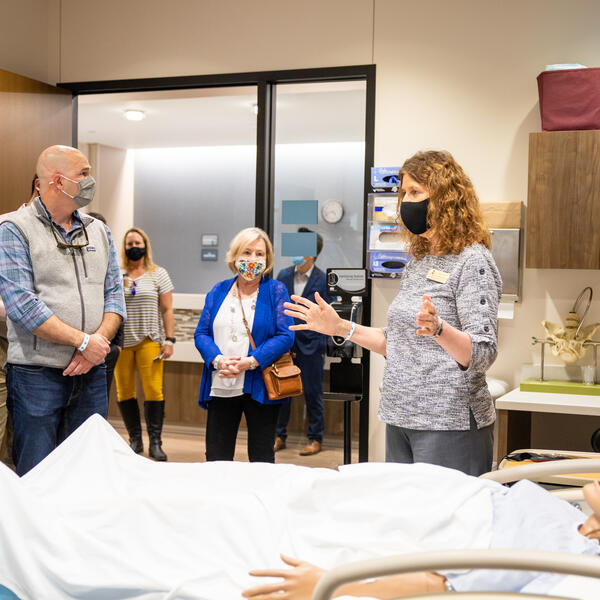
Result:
{"points": [[386, 252]]}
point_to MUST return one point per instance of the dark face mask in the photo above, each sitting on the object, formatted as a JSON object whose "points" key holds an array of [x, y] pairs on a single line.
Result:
{"points": [[135, 253], [414, 216]]}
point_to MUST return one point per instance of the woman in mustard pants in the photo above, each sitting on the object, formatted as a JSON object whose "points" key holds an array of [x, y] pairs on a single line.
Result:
{"points": [[149, 339]]}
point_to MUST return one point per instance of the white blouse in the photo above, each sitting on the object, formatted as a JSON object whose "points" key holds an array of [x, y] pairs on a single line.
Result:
{"points": [[232, 339]]}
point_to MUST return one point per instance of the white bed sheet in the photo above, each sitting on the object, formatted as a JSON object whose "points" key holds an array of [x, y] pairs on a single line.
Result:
{"points": [[94, 520], [579, 588]]}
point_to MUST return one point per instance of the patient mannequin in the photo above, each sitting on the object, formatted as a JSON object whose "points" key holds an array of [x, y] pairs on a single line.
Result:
{"points": [[66, 541], [298, 583], [591, 528]]}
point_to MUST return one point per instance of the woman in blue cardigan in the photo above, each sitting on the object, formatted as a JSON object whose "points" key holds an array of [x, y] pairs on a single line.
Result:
{"points": [[232, 382]]}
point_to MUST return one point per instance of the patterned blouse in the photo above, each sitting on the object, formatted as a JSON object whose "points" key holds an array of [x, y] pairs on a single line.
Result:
{"points": [[423, 386]]}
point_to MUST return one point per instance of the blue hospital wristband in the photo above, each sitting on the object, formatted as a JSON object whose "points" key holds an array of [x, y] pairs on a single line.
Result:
{"points": [[335, 338], [86, 339], [352, 327]]}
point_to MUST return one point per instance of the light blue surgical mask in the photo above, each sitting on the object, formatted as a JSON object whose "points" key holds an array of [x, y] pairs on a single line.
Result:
{"points": [[297, 260]]}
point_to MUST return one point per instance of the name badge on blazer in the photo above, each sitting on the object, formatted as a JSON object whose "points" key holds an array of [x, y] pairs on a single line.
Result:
{"points": [[438, 276]]}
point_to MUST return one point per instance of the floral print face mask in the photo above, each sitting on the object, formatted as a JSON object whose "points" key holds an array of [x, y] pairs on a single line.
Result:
{"points": [[250, 269]]}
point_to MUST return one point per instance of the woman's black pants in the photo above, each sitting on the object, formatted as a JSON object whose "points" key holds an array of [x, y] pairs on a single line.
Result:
{"points": [[224, 416]]}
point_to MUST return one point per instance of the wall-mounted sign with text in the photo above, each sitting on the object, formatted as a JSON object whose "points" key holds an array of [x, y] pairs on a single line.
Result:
{"points": [[210, 254], [210, 239]]}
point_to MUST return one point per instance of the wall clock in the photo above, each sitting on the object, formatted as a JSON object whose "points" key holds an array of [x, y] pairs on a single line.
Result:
{"points": [[332, 211]]}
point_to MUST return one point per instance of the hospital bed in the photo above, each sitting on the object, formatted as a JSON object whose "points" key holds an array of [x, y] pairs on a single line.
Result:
{"points": [[545, 471], [539, 471], [554, 562], [533, 456]]}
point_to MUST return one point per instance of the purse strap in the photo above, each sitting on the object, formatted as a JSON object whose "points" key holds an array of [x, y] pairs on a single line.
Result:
{"points": [[244, 317]]}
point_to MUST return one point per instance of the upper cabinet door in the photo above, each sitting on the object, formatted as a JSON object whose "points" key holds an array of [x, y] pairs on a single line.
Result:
{"points": [[33, 115], [563, 207]]}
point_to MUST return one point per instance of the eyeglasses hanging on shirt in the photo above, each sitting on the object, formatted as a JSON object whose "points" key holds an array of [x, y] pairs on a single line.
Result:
{"points": [[60, 242], [129, 284]]}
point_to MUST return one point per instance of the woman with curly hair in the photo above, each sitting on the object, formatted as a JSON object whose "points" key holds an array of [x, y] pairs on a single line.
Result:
{"points": [[442, 326]]}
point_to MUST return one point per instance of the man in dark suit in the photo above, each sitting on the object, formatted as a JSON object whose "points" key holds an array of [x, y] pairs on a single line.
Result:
{"points": [[304, 278]]}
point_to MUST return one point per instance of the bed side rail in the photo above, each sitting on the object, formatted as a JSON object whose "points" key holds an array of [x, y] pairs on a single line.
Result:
{"points": [[537, 471], [518, 560]]}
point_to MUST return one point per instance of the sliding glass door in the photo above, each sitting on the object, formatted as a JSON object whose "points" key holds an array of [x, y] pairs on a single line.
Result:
{"points": [[319, 158]]}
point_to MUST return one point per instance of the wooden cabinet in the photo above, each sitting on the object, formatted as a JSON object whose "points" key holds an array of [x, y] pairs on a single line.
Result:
{"points": [[563, 207]]}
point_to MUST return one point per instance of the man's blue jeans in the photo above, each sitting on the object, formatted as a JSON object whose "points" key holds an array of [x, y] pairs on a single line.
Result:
{"points": [[46, 407]]}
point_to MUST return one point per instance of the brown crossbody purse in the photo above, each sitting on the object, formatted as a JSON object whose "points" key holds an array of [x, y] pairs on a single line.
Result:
{"points": [[282, 377]]}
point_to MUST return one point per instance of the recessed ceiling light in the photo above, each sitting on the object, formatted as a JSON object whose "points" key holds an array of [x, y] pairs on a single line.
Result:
{"points": [[135, 115]]}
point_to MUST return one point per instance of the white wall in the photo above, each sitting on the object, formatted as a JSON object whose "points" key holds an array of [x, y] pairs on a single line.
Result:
{"points": [[113, 169], [455, 74], [113, 39], [30, 38]]}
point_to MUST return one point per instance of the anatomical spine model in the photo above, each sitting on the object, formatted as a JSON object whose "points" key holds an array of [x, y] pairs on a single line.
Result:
{"points": [[567, 341]]}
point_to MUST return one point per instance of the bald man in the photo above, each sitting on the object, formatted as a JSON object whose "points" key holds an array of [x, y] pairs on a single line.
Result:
{"points": [[62, 289]]}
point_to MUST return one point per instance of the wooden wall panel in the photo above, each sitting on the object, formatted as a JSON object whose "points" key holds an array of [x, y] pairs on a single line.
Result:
{"points": [[33, 115], [499, 215], [563, 207], [182, 385]]}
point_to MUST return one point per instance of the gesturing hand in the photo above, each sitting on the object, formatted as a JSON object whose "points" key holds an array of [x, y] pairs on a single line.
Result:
{"points": [[298, 583], [427, 318], [319, 317]]}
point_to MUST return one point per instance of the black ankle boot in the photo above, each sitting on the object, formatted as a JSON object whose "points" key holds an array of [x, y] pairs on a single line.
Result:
{"points": [[130, 411], [155, 412]]}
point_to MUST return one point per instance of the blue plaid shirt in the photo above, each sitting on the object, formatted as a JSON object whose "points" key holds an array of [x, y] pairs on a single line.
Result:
{"points": [[16, 277]]}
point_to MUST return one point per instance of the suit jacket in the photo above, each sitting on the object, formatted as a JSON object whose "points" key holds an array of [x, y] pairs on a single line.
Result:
{"points": [[270, 331], [308, 342]]}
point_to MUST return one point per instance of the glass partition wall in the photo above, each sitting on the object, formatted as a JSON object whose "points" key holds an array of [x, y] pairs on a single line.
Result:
{"points": [[191, 166], [319, 171], [213, 154]]}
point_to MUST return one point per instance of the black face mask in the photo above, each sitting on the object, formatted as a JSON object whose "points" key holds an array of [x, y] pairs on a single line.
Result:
{"points": [[135, 253], [414, 216]]}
